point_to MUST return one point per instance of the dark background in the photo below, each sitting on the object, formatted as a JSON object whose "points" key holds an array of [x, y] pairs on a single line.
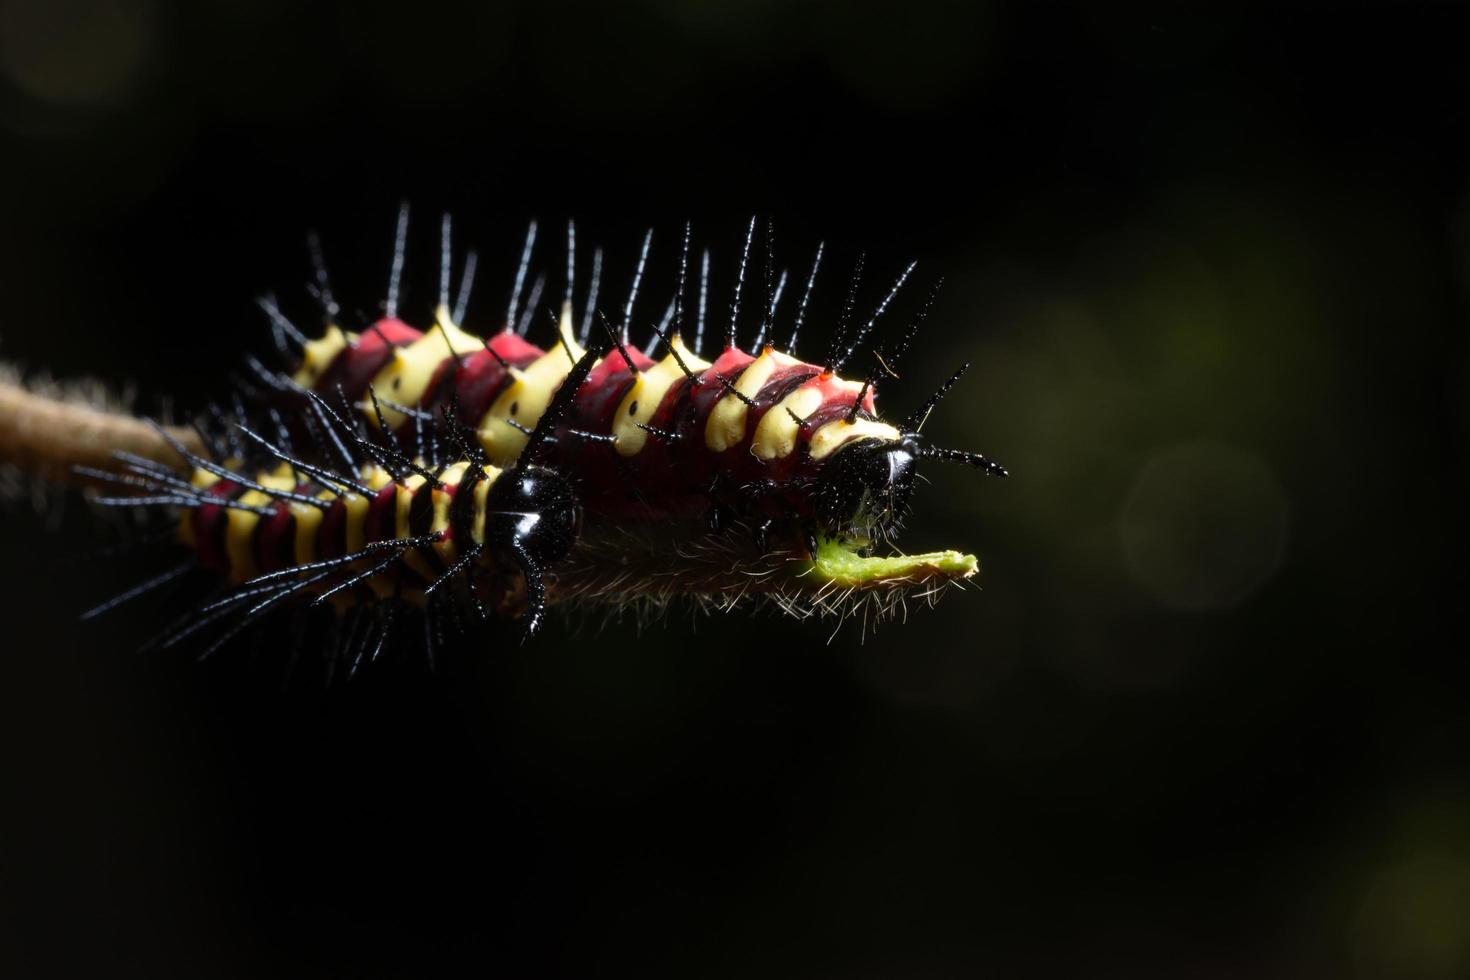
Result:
{"points": [[1207, 714]]}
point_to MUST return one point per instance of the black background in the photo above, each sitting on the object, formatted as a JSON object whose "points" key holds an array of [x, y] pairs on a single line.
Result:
{"points": [[1207, 716]]}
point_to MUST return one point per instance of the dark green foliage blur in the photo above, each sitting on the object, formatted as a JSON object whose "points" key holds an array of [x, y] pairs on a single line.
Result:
{"points": [[1205, 715]]}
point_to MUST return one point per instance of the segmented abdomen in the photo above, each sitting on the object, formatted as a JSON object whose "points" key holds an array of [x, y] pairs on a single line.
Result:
{"points": [[678, 431], [252, 533]]}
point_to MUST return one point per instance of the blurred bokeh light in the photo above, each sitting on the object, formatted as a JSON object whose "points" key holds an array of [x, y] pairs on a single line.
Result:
{"points": [[76, 53]]}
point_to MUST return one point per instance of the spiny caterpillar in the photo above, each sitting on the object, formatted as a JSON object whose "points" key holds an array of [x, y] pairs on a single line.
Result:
{"points": [[530, 476], [788, 447], [375, 526]]}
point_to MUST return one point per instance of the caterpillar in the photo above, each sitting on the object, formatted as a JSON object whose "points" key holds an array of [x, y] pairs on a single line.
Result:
{"points": [[787, 447], [381, 527], [587, 471]]}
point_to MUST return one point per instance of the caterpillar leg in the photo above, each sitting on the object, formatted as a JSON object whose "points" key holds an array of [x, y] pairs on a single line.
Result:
{"points": [[535, 590]]}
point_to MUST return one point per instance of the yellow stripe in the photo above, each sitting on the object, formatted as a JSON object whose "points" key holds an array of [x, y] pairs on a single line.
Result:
{"points": [[775, 436], [309, 519], [406, 376], [834, 435], [726, 424], [374, 477], [482, 496], [440, 521], [528, 394], [239, 532], [320, 353], [647, 393], [241, 524], [354, 522], [308, 522], [308, 525]]}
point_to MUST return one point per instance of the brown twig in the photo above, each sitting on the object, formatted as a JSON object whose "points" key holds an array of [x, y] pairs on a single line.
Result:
{"points": [[47, 436]]}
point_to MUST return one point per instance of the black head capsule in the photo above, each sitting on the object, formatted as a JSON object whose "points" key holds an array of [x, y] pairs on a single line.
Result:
{"points": [[867, 483]]}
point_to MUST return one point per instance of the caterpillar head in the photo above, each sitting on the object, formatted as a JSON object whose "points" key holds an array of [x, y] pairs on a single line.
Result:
{"points": [[866, 484], [865, 487]]}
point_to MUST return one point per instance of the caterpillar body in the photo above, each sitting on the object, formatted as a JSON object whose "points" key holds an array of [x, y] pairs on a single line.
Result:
{"points": [[402, 539], [779, 443], [439, 466], [389, 530]]}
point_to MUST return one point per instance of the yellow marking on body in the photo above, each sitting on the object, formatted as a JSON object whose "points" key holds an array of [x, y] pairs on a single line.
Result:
{"points": [[354, 522], [647, 394], [834, 435], [405, 378], [320, 353], [200, 480], [240, 532], [374, 478], [309, 519], [240, 525], [403, 503], [775, 436], [440, 521], [528, 393], [726, 424], [305, 545], [308, 522]]}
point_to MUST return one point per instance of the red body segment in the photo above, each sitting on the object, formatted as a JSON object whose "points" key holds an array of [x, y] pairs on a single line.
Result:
{"points": [[675, 473], [354, 367]]}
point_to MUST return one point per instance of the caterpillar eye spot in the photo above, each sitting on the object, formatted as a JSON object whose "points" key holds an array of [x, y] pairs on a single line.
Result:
{"points": [[515, 407], [397, 383], [633, 408]]}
